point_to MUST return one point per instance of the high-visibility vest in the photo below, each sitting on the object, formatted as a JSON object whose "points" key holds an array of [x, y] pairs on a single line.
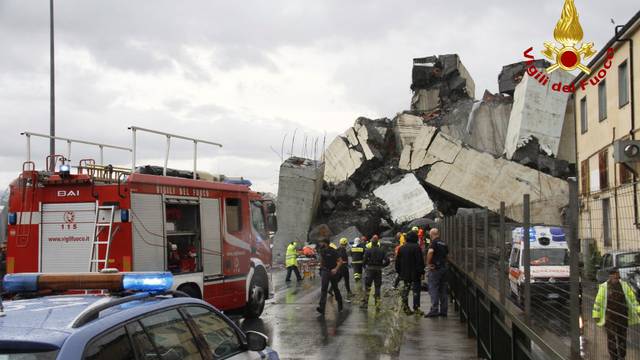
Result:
{"points": [[291, 258], [357, 254], [600, 305]]}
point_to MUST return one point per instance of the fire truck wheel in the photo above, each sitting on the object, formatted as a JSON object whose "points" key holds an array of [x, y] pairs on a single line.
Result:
{"points": [[257, 298], [191, 290]]}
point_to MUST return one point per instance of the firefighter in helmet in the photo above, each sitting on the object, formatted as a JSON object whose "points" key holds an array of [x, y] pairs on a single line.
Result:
{"points": [[357, 255]]}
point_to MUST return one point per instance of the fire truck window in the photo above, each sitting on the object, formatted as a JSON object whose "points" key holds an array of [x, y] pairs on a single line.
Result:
{"points": [[233, 209], [257, 219], [183, 238]]}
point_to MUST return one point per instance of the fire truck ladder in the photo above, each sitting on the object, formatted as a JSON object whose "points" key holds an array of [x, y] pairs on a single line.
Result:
{"points": [[96, 260]]}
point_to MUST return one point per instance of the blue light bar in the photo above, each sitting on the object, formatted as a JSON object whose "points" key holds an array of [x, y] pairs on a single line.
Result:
{"points": [[150, 281], [20, 283]]}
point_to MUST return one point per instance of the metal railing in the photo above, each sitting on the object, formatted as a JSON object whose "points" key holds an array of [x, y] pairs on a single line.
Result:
{"points": [[514, 316]]}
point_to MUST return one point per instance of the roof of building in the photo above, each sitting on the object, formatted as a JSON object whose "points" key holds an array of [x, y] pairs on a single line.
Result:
{"points": [[633, 21]]}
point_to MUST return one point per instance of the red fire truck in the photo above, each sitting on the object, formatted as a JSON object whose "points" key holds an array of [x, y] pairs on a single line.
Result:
{"points": [[212, 235]]}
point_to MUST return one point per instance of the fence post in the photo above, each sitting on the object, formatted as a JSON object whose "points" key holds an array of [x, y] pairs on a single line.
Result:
{"points": [[465, 250], [574, 258], [501, 266], [486, 248], [474, 242], [526, 217]]}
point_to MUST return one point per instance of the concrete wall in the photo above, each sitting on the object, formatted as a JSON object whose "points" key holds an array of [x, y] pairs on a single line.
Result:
{"points": [[299, 191], [538, 111]]}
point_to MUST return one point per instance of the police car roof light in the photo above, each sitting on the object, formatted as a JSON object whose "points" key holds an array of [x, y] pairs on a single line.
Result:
{"points": [[33, 282], [152, 281]]}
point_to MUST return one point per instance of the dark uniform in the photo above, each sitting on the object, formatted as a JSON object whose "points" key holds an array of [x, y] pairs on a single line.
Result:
{"points": [[410, 267], [438, 279], [344, 270], [375, 260], [328, 261], [357, 256]]}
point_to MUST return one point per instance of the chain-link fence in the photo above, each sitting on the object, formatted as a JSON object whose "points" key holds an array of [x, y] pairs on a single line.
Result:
{"points": [[551, 289], [610, 240]]}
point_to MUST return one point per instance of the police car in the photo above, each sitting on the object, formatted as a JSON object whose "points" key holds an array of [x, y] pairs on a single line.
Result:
{"points": [[134, 316]]}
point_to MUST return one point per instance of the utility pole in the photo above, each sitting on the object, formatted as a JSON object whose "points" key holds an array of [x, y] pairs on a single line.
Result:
{"points": [[52, 100]]}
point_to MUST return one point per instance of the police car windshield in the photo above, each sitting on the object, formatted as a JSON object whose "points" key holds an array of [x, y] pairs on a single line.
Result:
{"points": [[549, 257], [46, 355]]}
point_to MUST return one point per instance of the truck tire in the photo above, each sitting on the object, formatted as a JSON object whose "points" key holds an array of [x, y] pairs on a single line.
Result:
{"points": [[256, 301], [191, 290]]}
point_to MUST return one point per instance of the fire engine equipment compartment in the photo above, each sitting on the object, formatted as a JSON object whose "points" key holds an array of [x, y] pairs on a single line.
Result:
{"points": [[183, 235]]}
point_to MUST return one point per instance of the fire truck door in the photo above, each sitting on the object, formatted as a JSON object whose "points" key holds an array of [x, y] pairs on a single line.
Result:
{"points": [[148, 232], [211, 237], [67, 231]]}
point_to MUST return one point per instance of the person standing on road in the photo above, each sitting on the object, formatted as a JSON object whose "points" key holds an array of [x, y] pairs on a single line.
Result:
{"points": [[400, 237], [437, 263], [357, 255], [344, 255], [330, 264], [616, 308], [291, 261], [410, 267], [375, 260]]}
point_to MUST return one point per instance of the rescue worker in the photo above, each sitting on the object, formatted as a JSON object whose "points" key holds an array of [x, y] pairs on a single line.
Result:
{"points": [[291, 261], [330, 264], [410, 267], [174, 259], [400, 237], [375, 260], [421, 238], [437, 257], [616, 308], [357, 255], [344, 255]]}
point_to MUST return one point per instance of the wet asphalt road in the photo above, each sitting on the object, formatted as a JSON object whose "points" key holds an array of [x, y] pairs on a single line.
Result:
{"points": [[296, 332]]}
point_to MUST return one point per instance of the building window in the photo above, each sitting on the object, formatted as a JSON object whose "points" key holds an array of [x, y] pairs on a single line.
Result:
{"points": [[602, 100], [626, 176], [623, 85], [606, 222], [603, 169], [584, 176], [584, 125]]}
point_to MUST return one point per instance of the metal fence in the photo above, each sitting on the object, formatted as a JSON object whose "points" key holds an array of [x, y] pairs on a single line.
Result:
{"points": [[520, 301], [610, 238]]}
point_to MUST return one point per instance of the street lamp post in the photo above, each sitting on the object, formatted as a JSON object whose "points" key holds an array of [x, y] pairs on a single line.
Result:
{"points": [[52, 100]]}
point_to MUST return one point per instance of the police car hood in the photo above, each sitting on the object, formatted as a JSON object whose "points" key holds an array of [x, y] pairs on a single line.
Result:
{"points": [[42, 320]]}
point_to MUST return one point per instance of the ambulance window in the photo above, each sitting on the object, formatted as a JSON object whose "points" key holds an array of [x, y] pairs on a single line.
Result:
{"points": [[233, 209], [257, 219]]}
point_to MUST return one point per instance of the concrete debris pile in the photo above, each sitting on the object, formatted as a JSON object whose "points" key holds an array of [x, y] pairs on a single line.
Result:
{"points": [[448, 152]]}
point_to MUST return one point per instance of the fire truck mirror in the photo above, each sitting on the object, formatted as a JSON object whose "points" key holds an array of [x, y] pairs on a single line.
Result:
{"points": [[271, 207]]}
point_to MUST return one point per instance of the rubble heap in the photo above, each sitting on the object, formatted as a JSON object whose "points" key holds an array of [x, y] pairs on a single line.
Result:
{"points": [[449, 151]]}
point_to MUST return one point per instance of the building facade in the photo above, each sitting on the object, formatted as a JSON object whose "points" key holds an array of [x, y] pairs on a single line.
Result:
{"points": [[604, 104]]}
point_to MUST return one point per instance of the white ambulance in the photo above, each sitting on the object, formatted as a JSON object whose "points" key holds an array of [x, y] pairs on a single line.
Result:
{"points": [[549, 264]]}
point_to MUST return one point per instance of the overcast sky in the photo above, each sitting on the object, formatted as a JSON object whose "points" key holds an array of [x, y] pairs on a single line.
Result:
{"points": [[246, 73]]}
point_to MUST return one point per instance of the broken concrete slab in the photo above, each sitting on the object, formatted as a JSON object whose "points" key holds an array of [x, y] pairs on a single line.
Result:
{"points": [[299, 190], [406, 127], [341, 161], [512, 74], [484, 180], [538, 112], [488, 125], [424, 100], [350, 233], [405, 198]]}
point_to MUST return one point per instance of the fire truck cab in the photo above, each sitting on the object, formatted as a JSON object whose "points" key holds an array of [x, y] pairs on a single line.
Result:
{"points": [[213, 235]]}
